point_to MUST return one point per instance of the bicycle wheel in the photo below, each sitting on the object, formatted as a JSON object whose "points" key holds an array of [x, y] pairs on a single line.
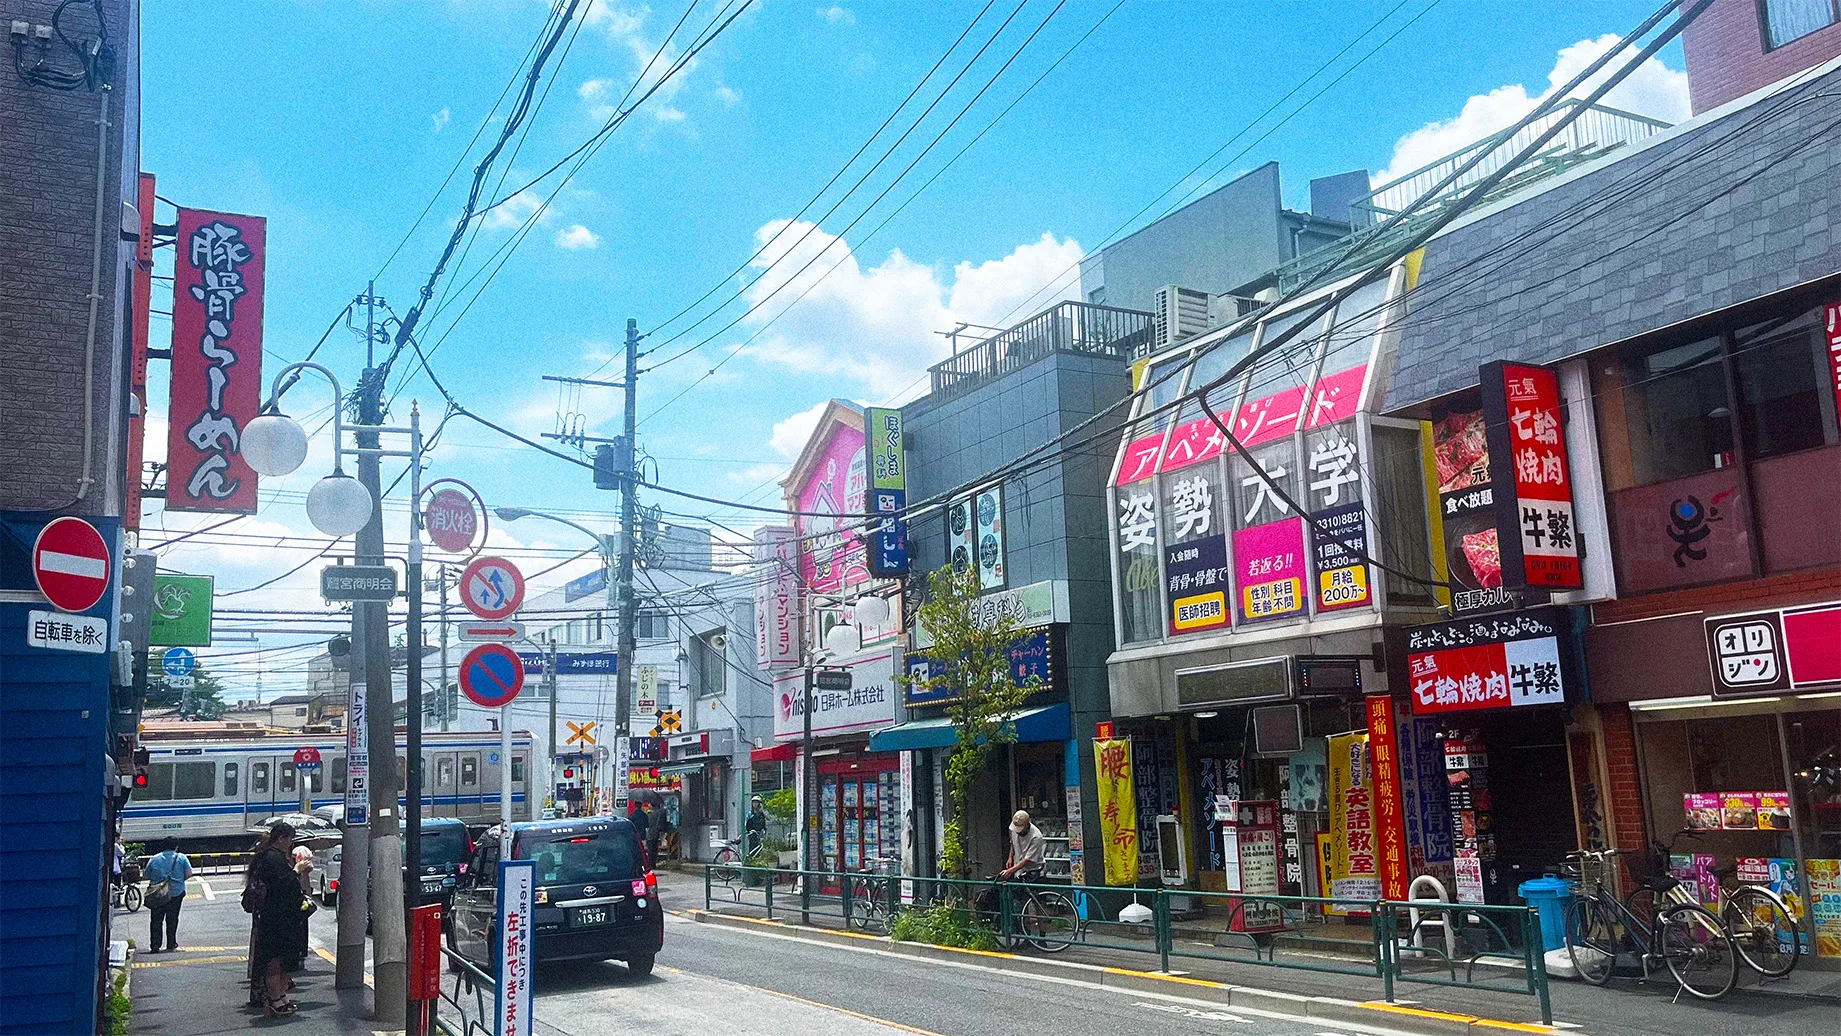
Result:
{"points": [[131, 898], [1761, 931], [1050, 921], [1591, 940], [867, 913], [1698, 951], [723, 868], [1642, 902]]}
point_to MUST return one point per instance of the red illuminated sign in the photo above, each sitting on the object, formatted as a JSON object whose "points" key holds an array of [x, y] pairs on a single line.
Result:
{"points": [[1527, 450], [1389, 810], [217, 360]]}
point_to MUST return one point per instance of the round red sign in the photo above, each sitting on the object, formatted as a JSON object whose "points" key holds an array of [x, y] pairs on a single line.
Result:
{"points": [[71, 563], [307, 755], [451, 521]]}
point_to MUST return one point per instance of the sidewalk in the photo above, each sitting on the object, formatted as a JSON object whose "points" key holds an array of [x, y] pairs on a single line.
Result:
{"points": [[201, 990], [1623, 1007]]}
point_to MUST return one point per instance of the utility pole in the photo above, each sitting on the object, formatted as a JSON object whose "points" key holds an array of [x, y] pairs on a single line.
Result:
{"points": [[412, 752], [390, 969], [629, 535], [446, 706], [549, 684], [355, 858]]}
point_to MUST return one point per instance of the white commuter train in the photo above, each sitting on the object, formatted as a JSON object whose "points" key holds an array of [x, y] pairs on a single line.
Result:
{"points": [[207, 789]]}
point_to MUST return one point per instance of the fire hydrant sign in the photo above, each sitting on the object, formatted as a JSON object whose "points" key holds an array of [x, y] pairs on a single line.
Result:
{"points": [[516, 929]]}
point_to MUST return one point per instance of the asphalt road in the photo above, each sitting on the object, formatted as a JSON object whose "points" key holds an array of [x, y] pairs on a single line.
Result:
{"points": [[714, 981]]}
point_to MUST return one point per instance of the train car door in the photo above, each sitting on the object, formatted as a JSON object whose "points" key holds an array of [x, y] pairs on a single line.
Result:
{"points": [[468, 794], [259, 798], [441, 776]]}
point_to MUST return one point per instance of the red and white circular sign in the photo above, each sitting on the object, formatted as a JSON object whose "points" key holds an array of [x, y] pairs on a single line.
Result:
{"points": [[451, 521], [306, 755], [492, 588], [71, 563]]}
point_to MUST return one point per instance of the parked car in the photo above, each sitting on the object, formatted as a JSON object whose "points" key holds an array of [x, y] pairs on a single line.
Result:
{"points": [[306, 826], [596, 898], [445, 848]]}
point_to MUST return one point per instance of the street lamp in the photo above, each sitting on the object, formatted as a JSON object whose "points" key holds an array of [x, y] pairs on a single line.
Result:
{"points": [[275, 444]]}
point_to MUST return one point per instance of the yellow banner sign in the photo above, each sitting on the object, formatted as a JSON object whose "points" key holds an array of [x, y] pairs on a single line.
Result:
{"points": [[1118, 810], [1354, 872]]}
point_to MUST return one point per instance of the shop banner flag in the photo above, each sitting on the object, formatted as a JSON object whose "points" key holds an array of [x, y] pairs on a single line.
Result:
{"points": [[1389, 808], [1118, 810], [217, 360], [1354, 872]]}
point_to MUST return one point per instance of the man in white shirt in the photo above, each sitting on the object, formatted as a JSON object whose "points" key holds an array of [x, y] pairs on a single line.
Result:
{"points": [[1027, 848]]}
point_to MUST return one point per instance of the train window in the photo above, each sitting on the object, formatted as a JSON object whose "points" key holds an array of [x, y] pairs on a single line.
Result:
{"points": [[258, 778], [469, 771], [194, 780], [285, 783], [316, 781], [444, 772], [230, 780], [517, 769], [159, 782], [338, 775]]}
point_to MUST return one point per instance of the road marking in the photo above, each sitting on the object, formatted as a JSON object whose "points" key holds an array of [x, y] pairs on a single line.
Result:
{"points": [[841, 1010], [334, 961], [1190, 1012], [228, 959], [205, 887]]}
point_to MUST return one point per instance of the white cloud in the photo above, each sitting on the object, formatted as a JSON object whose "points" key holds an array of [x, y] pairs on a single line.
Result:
{"points": [[515, 211], [726, 95], [667, 113], [441, 119], [876, 325], [837, 15], [789, 436], [577, 237], [648, 63], [1653, 89]]}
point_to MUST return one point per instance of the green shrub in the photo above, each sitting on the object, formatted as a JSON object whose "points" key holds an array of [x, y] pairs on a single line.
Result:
{"points": [[943, 925], [119, 1007]]}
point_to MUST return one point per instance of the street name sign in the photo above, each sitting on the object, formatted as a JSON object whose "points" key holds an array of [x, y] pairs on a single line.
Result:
{"points": [[357, 583], [831, 679]]}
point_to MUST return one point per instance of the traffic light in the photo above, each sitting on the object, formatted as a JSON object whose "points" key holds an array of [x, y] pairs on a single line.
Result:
{"points": [[141, 757]]}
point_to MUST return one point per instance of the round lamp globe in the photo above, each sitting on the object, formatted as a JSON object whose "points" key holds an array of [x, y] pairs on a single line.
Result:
{"points": [[338, 505], [273, 444]]}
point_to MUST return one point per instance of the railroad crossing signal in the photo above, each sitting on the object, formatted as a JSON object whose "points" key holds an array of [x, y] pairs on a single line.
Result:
{"points": [[581, 732], [670, 721]]}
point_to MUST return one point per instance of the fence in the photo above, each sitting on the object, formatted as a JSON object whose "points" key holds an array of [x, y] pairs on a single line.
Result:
{"points": [[1470, 946], [1066, 327], [466, 1004]]}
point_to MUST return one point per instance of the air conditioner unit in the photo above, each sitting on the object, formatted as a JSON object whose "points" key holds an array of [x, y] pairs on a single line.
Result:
{"points": [[1180, 312]]}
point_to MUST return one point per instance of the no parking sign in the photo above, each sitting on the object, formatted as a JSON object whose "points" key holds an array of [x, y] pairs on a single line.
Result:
{"points": [[491, 675]]}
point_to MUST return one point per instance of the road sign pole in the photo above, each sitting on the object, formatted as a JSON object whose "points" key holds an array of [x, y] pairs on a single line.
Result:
{"points": [[550, 683], [412, 819], [505, 768]]}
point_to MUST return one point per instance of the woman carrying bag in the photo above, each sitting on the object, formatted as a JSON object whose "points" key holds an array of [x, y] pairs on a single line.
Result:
{"points": [[271, 892]]}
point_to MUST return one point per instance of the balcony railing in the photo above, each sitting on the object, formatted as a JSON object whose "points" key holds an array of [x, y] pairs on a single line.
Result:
{"points": [[1076, 327]]}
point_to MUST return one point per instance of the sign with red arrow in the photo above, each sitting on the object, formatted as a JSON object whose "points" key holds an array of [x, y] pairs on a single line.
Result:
{"points": [[70, 561], [491, 632]]}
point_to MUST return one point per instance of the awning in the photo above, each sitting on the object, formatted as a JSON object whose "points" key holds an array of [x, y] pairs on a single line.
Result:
{"points": [[781, 753], [1047, 723], [667, 769]]}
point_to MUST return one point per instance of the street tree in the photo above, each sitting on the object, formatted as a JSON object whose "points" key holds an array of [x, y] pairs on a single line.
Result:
{"points": [[970, 661], [204, 700]]}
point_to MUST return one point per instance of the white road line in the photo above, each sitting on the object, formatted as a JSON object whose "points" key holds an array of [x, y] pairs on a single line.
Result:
{"points": [[1190, 1012], [205, 887], [1020, 976]]}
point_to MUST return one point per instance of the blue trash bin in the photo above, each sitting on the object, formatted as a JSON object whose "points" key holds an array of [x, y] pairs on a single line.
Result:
{"points": [[1550, 896]]}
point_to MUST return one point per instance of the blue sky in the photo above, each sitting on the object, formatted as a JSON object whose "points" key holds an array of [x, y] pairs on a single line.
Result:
{"points": [[337, 121]]}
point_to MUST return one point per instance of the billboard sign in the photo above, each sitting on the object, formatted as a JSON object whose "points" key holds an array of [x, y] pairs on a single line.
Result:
{"points": [[776, 597], [216, 361], [888, 478], [1487, 663], [181, 611], [1534, 497]]}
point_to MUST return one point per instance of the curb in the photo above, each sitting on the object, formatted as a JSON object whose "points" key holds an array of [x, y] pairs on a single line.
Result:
{"points": [[1328, 1009]]}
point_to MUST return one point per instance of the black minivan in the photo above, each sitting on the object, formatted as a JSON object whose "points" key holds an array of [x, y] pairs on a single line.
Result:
{"points": [[596, 899]]}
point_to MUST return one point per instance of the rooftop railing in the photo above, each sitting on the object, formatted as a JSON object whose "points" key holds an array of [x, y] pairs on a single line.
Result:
{"points": [[1077, 327]]}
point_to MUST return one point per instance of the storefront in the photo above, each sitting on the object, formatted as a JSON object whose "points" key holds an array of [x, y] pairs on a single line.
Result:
{"points": [[1746, 773], [702, 760], [855, 784]]}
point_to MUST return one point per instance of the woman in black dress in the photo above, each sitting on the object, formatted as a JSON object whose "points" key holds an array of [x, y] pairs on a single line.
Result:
{"points": [[282, 919]]}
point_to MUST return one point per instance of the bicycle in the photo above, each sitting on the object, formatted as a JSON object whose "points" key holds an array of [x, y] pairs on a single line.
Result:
{"points": [[1045, 918], [870, 892], [1686, 937], [729, 859], [1757, 918], [125, 894]]}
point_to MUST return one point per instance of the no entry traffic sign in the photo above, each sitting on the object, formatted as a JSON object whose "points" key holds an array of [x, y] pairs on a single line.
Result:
{"points": [[491, 675], [492, 588], [71, 563], [451, 521]]}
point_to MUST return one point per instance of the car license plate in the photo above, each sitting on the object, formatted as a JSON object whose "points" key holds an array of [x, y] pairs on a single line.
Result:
{"points": [[431, 888], [588, 915]]}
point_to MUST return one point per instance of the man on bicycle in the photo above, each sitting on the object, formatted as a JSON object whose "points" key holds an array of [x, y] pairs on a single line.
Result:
{"points": [[755, 830], [1027, 848]]}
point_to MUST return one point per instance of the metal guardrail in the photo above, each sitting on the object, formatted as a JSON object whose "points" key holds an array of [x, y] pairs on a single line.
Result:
{"points": [[1495, 947], [466, 1008], [1066, 327]]}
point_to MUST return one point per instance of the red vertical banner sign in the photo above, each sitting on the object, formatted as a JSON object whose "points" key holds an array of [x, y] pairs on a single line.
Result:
{"points": [[1389, 808], [1534, 498], [1831, 314], [137, 356], [217, 360]]}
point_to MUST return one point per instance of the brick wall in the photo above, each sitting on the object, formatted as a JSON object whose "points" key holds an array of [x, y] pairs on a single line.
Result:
{"points": [[1620, 765], [48, 170], [1727, 58]]}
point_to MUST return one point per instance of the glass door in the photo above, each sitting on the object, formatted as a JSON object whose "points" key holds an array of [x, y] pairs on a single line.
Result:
{"points": [[1812, 752]]}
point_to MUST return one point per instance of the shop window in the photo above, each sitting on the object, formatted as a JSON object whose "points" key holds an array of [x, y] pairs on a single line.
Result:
{"points": [[1788, 20], [1400, 499], [1784, 401], [1255, 501], [194, 780], [1677, 415]]}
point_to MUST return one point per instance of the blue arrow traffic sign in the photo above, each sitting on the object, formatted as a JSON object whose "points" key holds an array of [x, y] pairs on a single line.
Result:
{"points": [[178, 661], [491, 675]]}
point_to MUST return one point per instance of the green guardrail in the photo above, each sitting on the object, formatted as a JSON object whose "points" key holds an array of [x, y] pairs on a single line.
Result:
{"points": [[1469, 946]]}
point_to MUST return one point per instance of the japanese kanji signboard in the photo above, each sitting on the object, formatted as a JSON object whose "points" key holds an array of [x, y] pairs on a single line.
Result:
{"points": [[217, 360], [1487, 663], [1389, 804], [1527, 447], [1790, 649], [1118, 824]]}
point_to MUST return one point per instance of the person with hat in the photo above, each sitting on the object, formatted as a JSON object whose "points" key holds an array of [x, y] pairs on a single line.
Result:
{"points": [[1027, 848], [755, 830]]}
